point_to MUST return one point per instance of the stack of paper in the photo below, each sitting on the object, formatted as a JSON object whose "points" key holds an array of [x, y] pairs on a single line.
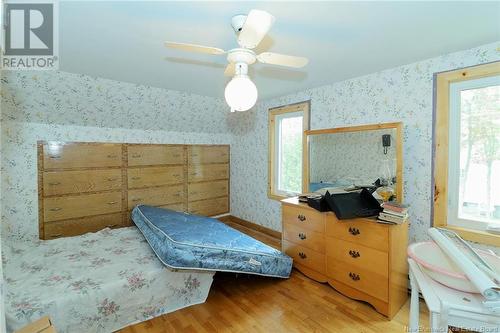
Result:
{"points": [[393, 213]]}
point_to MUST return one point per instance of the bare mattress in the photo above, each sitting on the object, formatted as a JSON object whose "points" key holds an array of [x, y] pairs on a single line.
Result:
{"points": [[187, 241]]}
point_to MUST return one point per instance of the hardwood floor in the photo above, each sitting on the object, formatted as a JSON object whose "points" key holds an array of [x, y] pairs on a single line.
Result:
{"points": [[271, 241], [249, 303]]}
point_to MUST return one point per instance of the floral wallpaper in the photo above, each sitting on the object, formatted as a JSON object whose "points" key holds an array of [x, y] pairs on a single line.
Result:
{"points": [[2, 281], [356, 157], [53, 97], [67, 107], [399, 94]]}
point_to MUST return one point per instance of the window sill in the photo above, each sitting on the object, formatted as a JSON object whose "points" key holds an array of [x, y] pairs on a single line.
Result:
{"points": [[477, 236], [279, 197], [276, 197]]}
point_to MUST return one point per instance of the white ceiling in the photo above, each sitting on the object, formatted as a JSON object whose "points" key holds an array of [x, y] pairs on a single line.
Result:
{"points": [[123, 40]]}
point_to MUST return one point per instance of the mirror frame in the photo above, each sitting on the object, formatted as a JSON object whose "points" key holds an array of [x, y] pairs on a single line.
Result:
{"points": [[398, 126]]}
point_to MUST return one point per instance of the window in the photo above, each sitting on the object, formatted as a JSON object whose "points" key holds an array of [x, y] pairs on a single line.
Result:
{"points": [[286, 128], [467, 161]]}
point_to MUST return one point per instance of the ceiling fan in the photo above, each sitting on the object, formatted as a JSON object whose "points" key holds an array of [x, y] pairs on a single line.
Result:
{"points": [[241, 92]]}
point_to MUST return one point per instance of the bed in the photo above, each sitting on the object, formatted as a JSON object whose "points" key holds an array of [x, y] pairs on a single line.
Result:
{"points": [[187, 241], [97, 282]]}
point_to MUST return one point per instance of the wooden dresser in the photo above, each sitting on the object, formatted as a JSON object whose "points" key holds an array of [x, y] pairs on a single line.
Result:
{"points": [[85, 187], [360, 258], [208, 180]]}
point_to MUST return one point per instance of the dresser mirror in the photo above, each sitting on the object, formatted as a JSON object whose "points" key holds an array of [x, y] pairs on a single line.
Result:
{"points": [[340, 159]]}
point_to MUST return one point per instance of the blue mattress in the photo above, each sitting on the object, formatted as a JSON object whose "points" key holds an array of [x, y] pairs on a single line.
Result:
{"points": [[185, 241]]}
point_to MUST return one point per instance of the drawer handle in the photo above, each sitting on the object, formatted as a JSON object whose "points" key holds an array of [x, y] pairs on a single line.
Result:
{"points": [[176, 175], [194, 193], [302, 236], [55, 156], [55, 183], [354, 276], [55, 236], [136, 155], [194, 174], [112, 202], [112, 179], [302, 255], [56, 209], [136, 178], [178, 194], [112, 156], [354, 254], [176, 155], [301, 217], [354, 231], [111, 225], [137, 199]]}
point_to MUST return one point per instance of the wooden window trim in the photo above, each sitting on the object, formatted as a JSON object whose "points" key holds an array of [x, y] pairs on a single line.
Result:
{"points": [[441, 141], [273, 112]]}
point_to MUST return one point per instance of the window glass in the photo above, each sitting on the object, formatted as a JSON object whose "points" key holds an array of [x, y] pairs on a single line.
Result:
{"points": [[290, 153], [474, 166]]}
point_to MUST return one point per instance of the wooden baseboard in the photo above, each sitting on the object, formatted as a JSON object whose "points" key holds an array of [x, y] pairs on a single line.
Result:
{"points": [[250, 225]]}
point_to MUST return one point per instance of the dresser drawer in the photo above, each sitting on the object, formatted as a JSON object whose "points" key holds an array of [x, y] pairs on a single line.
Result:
{"points": [[209, 207], [81, 226], [368, 282], [307, 238], [208, 154], [180, 207], [69, 182], [155, 176], [357, 255], [303, 217], [359, 231], [156, 196], [69, 207], [81, 155], [200, 191], [206, 172], [306, 257], [155, 155]]}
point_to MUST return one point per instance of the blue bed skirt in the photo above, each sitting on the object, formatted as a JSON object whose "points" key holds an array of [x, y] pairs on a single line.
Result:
{"points": [[185, 241]]}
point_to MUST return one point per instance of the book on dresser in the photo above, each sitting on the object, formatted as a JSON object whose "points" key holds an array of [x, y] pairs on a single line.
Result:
{"points": [[387, 217], [395, 207], [393, 213]]}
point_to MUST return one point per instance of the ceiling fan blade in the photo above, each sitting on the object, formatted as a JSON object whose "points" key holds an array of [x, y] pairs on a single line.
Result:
{"points": [[282, 60], [230, 69], [254, 29], [195, 48]]}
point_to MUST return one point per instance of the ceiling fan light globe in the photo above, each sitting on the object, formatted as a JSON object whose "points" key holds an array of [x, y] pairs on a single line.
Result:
{"points": [[241, 93]]}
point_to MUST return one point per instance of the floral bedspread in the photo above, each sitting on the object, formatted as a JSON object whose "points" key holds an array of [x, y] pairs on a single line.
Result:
{"points": [[98, 282]]}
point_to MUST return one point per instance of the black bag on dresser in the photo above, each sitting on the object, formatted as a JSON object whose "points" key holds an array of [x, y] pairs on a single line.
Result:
{"points": [[353, 204], [318, 203]]}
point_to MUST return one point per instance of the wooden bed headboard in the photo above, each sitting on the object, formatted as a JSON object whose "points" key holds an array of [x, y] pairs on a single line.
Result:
{"points": [[87, 186]]}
